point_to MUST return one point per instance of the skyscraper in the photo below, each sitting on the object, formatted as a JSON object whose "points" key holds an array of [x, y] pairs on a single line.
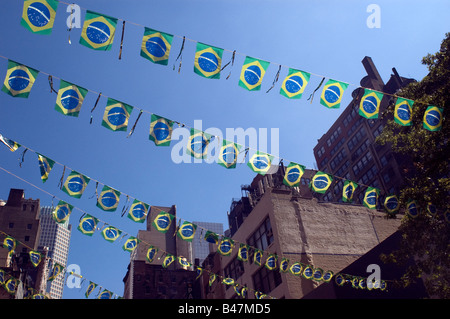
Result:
{"points": [[57, 238], [201, 246]]}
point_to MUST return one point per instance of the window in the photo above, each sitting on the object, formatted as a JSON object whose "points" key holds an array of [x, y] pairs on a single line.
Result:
{"points": [[234, 269], [27, 238], [29, 226], [11, 225], [24, 207], [262, 237], [265, 280]]}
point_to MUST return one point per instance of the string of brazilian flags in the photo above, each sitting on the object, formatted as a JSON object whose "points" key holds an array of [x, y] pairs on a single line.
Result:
{"points": [[138, 211], [11, 284], [99, 31]]}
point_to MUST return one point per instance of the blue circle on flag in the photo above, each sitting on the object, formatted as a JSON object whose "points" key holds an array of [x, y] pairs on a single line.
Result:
{"points": [[208, 62], [156, 47], [18, 80], [252, 74], [321, 182], [244, 253], [293, 175], [138, 211], [110, 233], [161, 131], [70, 99], [98, 32], [392, 203], [403, 112], [163, 222], [88, 225], [349, 191], [229, 155], [75, 184], [370, 104], [294, 84], [187, 231], [433, 118], [225, 247], [109, 199], [260, 162], [371, 199], [62, 212], [117, 116], [332, 93], [38, 14], [198, 144]]}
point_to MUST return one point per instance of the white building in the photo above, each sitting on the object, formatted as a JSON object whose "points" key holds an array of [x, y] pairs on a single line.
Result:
{"points": [[57, 238]]}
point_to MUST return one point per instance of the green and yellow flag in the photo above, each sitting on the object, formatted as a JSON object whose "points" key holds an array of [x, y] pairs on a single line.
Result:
{"points": [[111, 233], [243, 252], [62, 212], [212, 278], [257, 257], [13, 146], [271, 262], [403, 111], [284, 265], [91, 287], [163, 221], [11, 285], [45, 166], [56, 270], [187, 231], [294, 84], [138, 211], [308, 272], [317, 274], [228, 154], [260, 162], [252, 73], [105, 294], [151, 253], [35, 257], [332, 94], [10, 244], [160, 130], [70, 98], [130, 244], [19, 80], [321, 182], [371, 197], [116, 115], [169, 259], [98, 31], [369, 106], [293, 174], [226, 246], [108, 200], [87, 225], [391, 204], [432, 119], [198, 142], [156, 46], [182, 261], [211, 237], [412, 209], [348, 191], [38, 16], [75, 184], [208, 60]]}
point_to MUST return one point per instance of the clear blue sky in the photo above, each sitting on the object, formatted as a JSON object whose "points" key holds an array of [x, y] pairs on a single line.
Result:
{"points": [[327, 38]]}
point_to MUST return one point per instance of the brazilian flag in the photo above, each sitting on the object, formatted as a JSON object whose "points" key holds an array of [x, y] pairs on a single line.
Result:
{"points": [[138, 211], [208, 60], [98, 31], [38, 16], [70, 98], [296, 269], [369, 106], [116, 115], [271, 262], [431, 209], [211, 237], [105, 294], [62, 212], [391, 204], [87, 225], [111, 233], [35, 257], [317, 274], [11, 285], [252, 73], [226, 246], [10, 244], [163, 221], [212, 278], [197, 145], [243, 252], [151, 253], [13, 146], [321, 182], [260, 162], [371, 197], [160, 130], [327, 276], [308, 272], [91, 287], [75, 184], [340, 279], [411, 209], [432, 119], [228, 281], [260, 295], [57, 269], [293, 174], [257, 257], [108, 199], [332, 94], [284, 265], [228, 154], [156, 46], [2, 277], [187, 231], [45, 166], [19, 79], [169, 259], [403, 111], [199, 271], [182, 261], [294, 84], [130, 244], [348, 191]]}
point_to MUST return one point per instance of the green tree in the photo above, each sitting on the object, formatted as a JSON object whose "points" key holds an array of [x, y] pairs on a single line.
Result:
{"points": [[425, 238]]}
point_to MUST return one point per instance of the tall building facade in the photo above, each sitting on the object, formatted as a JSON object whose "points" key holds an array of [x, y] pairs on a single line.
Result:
{"points": [[201, 248], [150, 280], [295, 225], [348, 149], [56, 237]]}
